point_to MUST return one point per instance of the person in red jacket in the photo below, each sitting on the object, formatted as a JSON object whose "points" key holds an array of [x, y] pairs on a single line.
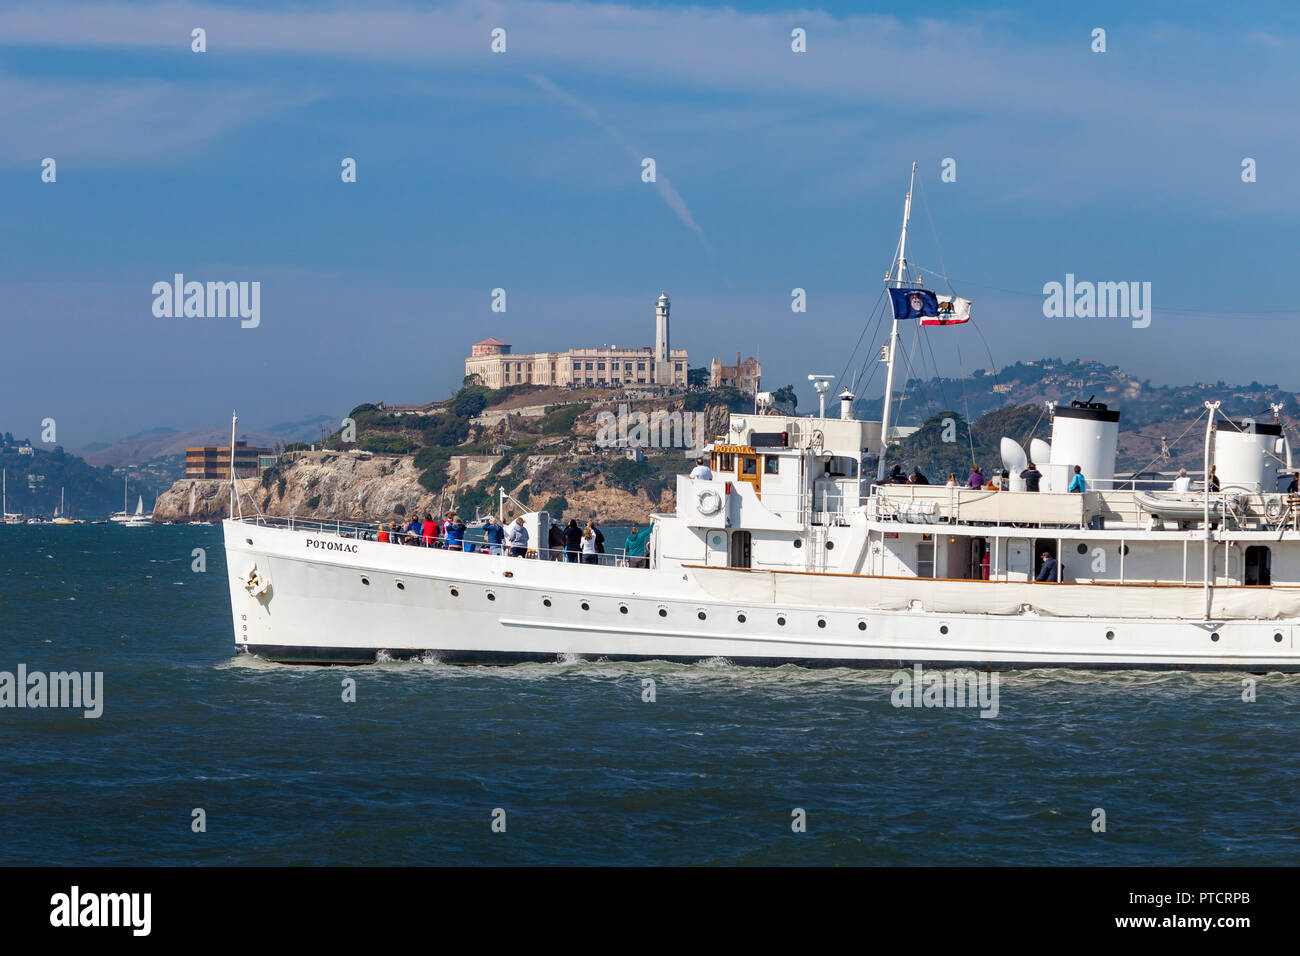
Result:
{"points": [[428, 531]]}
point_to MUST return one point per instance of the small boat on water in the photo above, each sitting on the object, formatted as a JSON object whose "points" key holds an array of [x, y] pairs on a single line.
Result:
{"points": [[139, 519], [61, 517], [5, 516]]}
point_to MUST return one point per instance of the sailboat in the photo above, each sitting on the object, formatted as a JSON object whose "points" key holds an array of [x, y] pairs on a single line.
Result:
{"points": [[139, 519], [123, 516], [62, 517], [5, 516]]}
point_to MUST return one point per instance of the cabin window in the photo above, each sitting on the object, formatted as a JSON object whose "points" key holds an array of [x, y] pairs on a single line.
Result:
{"points": [[749, 465], [771, 464], [724, 461], [1259, 566]]}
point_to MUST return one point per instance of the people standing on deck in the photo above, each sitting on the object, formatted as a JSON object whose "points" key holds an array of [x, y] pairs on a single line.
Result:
{"points": [[382, 537], [414, 528], [494, 534], [1077, 483], [598, 535], [572, 541], [1183, 483], [701, 470], [555, 541], [1214, 480], [952, 480], [1032, 477], [995, 483], [636, 544], [976, 479], [455, 533], [589, 555], [518, 538], [1294, 486], [917, 477], [448, 520], [1048, 571], [429, 531], [895, 476]]}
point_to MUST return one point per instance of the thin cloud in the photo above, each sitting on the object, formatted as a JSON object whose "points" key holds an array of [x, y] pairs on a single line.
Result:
{"points": [[671, 197]]}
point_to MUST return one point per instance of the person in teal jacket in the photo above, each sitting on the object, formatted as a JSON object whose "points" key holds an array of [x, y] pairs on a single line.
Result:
{"points": [[1077, 483], [636, 547]]}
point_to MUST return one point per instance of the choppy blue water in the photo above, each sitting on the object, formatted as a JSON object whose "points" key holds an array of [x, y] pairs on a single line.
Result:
{"points": [[585, 770]]}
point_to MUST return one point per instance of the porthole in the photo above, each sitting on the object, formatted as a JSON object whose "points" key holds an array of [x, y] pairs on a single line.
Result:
{"points": [[546, 602], [586, 606], [491, 596], [1122, 549], [1214, 636], [401, 585], [821, 622], [663, 612], [862, 625], [1110, 635], [1082, 548], [740, 618], [781, 621], [1278, 638], [798, 542], [622, 609], [507, 574], [943, 628], [365, 580], [830, 545], [248, 540], [455, 592], [702, 616]]}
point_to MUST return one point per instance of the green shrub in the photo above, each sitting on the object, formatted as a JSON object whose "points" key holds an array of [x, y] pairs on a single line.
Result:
{"points": [[559, 421]]}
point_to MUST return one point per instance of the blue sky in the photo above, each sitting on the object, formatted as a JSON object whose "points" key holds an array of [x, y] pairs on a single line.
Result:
{"points": [[520, 170]]}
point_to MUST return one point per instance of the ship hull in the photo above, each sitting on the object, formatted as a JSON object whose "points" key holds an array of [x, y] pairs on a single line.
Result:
{"points": [[316, 598]]}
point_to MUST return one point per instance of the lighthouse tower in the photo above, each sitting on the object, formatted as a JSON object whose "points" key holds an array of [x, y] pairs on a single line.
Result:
{"points": [[663, 357]]}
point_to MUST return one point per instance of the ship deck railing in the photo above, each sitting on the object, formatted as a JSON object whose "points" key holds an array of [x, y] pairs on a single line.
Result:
{"points": [[1117, 507], [369, 531]]}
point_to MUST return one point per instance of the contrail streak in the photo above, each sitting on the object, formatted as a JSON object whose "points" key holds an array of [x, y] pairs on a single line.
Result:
{"points": [[667, 193]]}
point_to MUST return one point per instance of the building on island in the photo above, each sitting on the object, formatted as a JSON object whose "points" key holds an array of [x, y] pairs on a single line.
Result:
{"points": [[744, 375], [213, 461], [496, 366]]}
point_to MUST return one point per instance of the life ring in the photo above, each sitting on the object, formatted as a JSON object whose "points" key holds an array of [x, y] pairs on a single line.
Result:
{"points": [[1274, 508], [709, 502]]}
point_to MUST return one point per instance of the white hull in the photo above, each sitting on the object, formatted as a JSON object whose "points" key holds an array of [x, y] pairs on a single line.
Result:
{"points": [[314, 607]]}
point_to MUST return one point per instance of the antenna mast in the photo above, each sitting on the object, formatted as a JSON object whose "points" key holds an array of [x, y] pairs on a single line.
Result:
{"points": [[900, 264]]}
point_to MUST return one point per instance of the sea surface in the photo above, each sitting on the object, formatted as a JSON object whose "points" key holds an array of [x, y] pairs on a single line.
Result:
{"points": [[714, 771]]}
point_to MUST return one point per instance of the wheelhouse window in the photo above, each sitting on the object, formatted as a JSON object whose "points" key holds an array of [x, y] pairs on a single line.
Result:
{"points": [[724, 461], [771, 464], [749, 465]]}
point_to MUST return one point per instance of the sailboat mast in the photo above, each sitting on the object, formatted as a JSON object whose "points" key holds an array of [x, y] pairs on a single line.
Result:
{"points": [[899, 279]]}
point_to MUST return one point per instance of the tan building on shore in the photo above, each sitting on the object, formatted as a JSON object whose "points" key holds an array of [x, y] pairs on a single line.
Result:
{"points": [[213, 461], [744, 376], [496, 366]]}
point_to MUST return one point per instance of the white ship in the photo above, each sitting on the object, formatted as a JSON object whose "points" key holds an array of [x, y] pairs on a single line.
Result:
{"points": [[791, 553]]}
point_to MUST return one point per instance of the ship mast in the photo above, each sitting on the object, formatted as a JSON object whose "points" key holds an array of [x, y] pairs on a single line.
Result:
{"points": [[897, 275]]}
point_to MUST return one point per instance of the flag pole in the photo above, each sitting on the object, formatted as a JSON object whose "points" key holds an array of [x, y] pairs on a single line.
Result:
{"points": [[901, 265]]}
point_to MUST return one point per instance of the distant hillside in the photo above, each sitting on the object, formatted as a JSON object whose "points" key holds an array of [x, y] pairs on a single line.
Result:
{"points": [[33, 483]]}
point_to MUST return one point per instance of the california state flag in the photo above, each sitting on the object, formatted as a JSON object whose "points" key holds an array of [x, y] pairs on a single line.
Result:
{"points": [[952, 311]]}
